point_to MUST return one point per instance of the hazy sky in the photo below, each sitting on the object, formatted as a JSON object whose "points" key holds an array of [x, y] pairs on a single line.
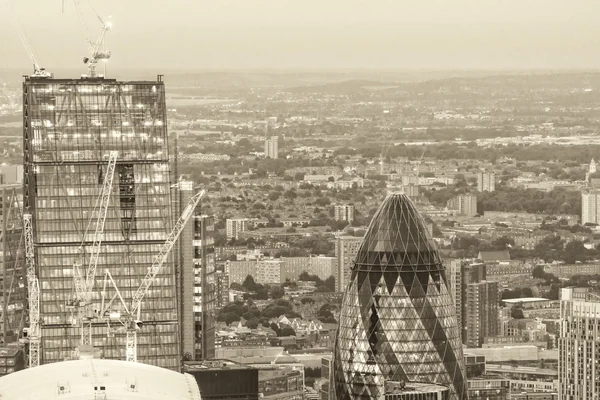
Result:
{"points": [[238, 34]]}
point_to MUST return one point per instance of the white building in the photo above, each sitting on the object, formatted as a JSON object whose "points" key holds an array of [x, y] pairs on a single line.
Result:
{"points": [[346, 248], [322, 266], [464, 204], [590, 204], [579, 345], [98, 379], [343, 212], [486, 182], [233, 226], [272, 147]]}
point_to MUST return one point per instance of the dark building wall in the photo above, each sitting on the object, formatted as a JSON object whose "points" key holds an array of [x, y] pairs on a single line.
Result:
{"points": [[222, 384]]}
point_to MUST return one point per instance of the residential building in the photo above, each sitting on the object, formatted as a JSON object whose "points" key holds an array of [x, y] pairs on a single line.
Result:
{"points": [[70, 127], [411, 190], [233, 227], [204, 286], [239, 270], [396, 317], [322, 266], [272, 148], [346, 248], [464, 204], [481, 312], [461, 274], [579, 345], [486, 182], [590, 207], [268, 272], [343, 212], [292, 267], [221, 289]]}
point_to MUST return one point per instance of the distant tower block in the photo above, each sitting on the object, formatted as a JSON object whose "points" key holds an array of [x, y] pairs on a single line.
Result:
{"points": [[397, 319], [272, 148]]}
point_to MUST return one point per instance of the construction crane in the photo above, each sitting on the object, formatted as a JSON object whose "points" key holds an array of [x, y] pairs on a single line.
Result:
{"points": [[95, 53], [34, 332], [84, 284], [131, 320], [38, 72]]}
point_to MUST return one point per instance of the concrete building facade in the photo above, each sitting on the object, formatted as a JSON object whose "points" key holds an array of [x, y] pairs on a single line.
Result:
{"points": [[346, 248], [486, 182], [272, 148], [343, 212]]}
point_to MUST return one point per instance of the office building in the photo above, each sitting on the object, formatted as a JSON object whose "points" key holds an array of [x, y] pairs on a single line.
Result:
{"points": [[343, 212], [204, 286], [224, 379], [13, 285], [486, 182], [397, 321], [579, 345], [489, 387], [590, 207], [461, 273], [346, 248], [464, 204], [12, 359], [221, 289], [69, 128], [481, 318], [233, 226], [415, 391], [272, 148], [280, 383]]}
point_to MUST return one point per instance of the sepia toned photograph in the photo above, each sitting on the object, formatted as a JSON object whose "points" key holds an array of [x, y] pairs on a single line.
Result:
{"points": [[299, 200]]}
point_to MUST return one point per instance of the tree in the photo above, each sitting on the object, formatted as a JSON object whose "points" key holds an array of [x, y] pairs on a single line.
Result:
{"points": [[249, 284], [290, 194], [277, 292], [228, 318], [307, 300], [252, 324], [516, 312], [274, 196], [287, 331]]}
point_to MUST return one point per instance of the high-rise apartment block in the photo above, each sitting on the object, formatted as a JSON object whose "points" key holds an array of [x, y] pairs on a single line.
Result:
{"points": [[204, 286], [464, 204], [411, 190], [221, 289], [481, 312], [346, 248], [486, 182], [579, 345], [69, 128], [233, 226], [475, 300], [590, 207], [272, 148], [343, 212]]}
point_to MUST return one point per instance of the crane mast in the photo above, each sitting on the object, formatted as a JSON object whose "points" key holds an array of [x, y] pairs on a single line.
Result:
{"points": [[34, 331], [131, 320], [84, 284], [38, 72], [95, 53]]}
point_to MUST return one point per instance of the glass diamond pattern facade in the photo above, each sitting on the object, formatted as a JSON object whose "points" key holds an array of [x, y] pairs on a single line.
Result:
{"points": [[397, 320]]}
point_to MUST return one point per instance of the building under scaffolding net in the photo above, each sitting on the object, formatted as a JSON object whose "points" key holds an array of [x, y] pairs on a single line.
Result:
{"points": [[12, 264], [70, 127]]}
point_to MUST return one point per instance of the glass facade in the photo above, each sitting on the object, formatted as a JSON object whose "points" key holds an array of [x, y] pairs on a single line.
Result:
{"points": [[70, 127], [204, 285], [12, 267], [397, 320]]}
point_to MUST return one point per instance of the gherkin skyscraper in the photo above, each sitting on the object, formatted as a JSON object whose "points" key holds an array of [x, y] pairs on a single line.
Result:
{"points": [[397, 321]]}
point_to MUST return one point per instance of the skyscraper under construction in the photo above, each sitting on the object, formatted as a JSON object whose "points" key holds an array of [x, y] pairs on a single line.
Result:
{"points": [[70, 128]]}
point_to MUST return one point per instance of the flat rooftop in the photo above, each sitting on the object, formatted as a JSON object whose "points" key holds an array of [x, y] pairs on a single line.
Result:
{"points": [[525, 300]]}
